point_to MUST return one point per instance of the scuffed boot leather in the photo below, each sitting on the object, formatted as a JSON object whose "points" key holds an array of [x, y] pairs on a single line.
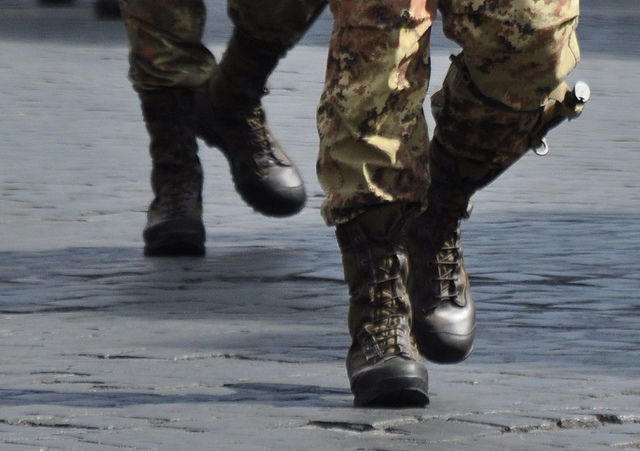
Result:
{"points": [[383, 364], [174, 219]]}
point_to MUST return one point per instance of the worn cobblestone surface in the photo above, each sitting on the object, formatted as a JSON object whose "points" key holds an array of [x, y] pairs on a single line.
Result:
{"points": [[102, 348]]}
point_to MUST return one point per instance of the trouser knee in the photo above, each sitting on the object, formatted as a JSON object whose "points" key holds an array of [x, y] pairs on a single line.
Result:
{"points": [[373, 134], [484, 133], [516, 55], [506, 88]]}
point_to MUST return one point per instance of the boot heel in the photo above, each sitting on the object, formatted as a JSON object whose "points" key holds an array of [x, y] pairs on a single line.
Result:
{"points": [[175, 237]]}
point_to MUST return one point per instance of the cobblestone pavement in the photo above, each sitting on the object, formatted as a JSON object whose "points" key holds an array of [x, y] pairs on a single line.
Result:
{"points": [[102, 348]]}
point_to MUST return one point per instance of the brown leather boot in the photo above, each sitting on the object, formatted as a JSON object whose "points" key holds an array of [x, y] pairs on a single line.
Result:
{"points": [[383, 363]]}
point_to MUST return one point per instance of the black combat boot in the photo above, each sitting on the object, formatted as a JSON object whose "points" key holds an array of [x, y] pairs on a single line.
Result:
{"points": [[444, 318], [230, 116], [443, 307], [383, 363], [174, 220]]}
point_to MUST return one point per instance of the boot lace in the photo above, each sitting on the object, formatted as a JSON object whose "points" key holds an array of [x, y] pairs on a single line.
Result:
{"points": [[387, 332], [265, 148], [447, 266]]}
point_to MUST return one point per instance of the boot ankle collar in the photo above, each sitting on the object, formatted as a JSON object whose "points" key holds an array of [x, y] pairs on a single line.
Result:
{"points": [[353, 236]]}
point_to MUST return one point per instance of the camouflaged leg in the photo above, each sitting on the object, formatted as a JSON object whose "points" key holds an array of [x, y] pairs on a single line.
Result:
{"points": [[373, 134], [501, 91], [501, 94], [165, 35], [484, 136], [165, 43]]}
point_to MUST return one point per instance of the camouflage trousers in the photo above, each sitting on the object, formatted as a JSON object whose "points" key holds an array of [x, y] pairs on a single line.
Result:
{"points": [[373, 135], [165, 36]]}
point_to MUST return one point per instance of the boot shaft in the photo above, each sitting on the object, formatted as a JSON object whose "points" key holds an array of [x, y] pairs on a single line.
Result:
{"points": [[169, 116], [176, 173], [383, 363], [375, 266], [241, 76]]}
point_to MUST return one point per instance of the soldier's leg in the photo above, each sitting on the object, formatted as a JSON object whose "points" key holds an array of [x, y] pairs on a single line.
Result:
{"points": [[264, 30], [500, 90], [167, 64], [231, 116], [165, 43], [501, 94], [372, 166]]}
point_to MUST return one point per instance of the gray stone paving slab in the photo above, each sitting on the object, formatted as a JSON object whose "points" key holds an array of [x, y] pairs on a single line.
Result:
{"points": [[102, 348]]}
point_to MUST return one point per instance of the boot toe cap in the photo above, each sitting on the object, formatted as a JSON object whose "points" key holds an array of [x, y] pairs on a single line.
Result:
{"points": [[280, 192], [446, 334]]}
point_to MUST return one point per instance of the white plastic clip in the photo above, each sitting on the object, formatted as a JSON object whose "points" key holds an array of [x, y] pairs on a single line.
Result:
{"points": [[582, 92], [543, 148]]}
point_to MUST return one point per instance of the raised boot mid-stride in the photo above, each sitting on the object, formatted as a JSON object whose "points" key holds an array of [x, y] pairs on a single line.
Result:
{"points": [[230, 116], [483, 139], [443, 307], [174, 219], [383, 363], [444, 313]]}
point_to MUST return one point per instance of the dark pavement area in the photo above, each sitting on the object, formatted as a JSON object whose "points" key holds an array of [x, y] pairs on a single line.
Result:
{"points": [[102, 348]]}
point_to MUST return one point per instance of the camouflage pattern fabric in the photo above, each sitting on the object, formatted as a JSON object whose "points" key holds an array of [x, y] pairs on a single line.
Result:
{"points": [[165, 36], [515, 54], [373, 134], [165, 43], [373, 137], [516, 51]]}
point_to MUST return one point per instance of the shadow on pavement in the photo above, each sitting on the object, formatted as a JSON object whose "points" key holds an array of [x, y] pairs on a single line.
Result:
{"points": [[550, 288], [276, 395]]}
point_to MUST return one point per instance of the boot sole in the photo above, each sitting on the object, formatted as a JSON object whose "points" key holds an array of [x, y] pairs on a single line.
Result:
{"points": [[405, 396], [176, 237], [395, 383]]}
